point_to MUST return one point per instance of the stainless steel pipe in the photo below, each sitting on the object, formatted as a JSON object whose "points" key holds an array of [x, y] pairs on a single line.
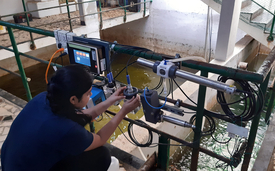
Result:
{"points": [[195, 78], [177, 121]]}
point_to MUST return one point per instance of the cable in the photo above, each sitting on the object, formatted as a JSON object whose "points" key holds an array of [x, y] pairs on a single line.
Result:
{"points": [[159, 84], [46, 74], [124, 69], [132, 137], [60, 56], [184, 92], [249, 97], [212, 125], [171, 84], [149, 103]]}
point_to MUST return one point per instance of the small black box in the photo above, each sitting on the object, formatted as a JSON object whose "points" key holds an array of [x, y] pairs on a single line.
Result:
{"points": [[21, 18], [134, 8]]}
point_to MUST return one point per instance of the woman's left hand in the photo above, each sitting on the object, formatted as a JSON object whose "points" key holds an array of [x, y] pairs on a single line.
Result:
{"points": [[118, 95]]}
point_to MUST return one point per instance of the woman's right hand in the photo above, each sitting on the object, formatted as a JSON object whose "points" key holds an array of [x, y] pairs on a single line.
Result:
{"points": [[131, 104]]}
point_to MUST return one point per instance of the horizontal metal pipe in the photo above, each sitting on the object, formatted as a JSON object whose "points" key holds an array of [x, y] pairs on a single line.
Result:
{"points": [[14, 73], [203, 66], [206, 151], [195, 78], [31, 57], [26, 28], [59, 6], [177, 121], [224, 71], [206, 112], [267, 64]]}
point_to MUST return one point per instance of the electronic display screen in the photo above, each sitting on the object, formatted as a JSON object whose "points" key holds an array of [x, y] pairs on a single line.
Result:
{"points": [[82, 57]]}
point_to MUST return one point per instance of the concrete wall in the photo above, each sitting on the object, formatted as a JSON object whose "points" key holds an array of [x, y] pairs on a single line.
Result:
{"points": [[10, 7], [173, 26], [45, 48]]}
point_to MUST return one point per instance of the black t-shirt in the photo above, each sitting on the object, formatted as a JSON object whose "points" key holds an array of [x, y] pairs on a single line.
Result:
{"points": [[38, 138]]}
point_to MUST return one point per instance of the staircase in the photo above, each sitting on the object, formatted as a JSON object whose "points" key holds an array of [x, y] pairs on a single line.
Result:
{"points": [[255, 18]]}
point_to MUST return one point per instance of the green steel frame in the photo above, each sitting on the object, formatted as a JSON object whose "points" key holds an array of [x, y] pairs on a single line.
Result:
{"points": [[261, 77]]}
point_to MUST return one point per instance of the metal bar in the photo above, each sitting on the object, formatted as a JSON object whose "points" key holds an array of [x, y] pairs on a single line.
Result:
{"points": [[217, 69], [195, 78], [263, 7], [150, 163], [254, 128], [267, 64], [206, 35], [13, 73], [100, 15], [124, 18], [88, 15], [163, 153], [224, 71], [184, 143], [270, 38], [206, 112], [31, 57], [69, 16], [199, 118], [271, 102], [26, 28], [59, 6], [32, 46], [144, 12], [19, 63]]}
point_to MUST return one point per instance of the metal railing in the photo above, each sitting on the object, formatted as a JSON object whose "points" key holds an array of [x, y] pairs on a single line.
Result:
{"points": [[50, 33], [100, 12]]}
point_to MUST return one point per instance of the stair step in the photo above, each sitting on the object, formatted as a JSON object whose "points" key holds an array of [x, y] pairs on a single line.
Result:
{"points": [[246, 3], [264, 18], [252, 9]]}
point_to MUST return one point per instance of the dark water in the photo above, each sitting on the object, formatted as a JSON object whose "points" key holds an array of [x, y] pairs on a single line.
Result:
{"points": [[182, 158]]}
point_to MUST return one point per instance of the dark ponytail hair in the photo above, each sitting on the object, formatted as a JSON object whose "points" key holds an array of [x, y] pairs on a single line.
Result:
{"points": [[71, 80]]}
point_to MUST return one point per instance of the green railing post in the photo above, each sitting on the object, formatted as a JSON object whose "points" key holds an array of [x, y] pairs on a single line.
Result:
{"points": [[19, 63], [199, 118], [163, 153], [124, 18], [69, 15], [32, 46], [271, 101], [100, 14], [270, 38], [144, 12], [254, 127]]}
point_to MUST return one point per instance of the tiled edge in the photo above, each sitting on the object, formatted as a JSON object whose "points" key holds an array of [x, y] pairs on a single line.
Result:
{"points": [[13, 99]]}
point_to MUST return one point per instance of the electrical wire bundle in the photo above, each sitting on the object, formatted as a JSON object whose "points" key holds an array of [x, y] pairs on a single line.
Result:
{"points": [[236, 154], [211, 122], [132, 137], [250, 102]]}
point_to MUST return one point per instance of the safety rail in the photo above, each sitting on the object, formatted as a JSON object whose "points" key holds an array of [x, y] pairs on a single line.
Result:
{"points": [[261, 77], [270, 37], [271, 11], [50, 33], [33, 47]]}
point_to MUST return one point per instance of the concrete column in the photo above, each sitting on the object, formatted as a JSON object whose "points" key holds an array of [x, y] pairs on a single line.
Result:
{"points": [[87, 8], [91, 21], [228, 26], [81, 13]]}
